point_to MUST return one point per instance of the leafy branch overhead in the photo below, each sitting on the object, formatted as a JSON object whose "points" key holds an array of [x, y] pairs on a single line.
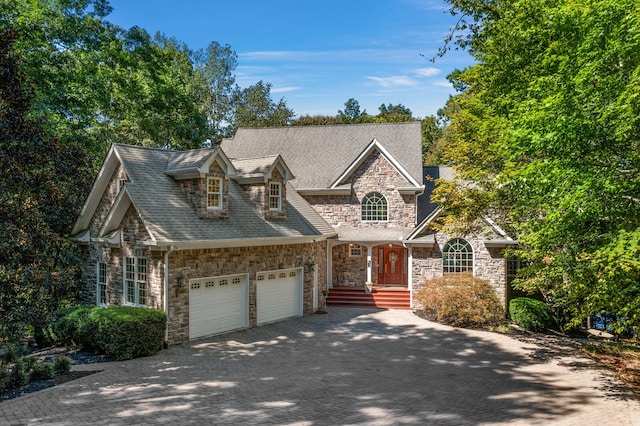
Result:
{"points": [[547, 124]]}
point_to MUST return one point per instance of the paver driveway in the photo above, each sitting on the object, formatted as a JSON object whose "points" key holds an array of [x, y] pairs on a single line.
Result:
{"points": [[351, 366]]}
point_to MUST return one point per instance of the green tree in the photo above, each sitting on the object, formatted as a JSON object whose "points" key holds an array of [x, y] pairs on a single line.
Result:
{"points": [[548, 128], [255, 108], [393, 114], [316, 120], [41, 190], [433, 142], [352, 113], [217, 63], [99, 83]]}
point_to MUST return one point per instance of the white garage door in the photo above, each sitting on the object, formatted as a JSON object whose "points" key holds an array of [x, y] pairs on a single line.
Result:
{"points": [[218, 304], [279, 295]]}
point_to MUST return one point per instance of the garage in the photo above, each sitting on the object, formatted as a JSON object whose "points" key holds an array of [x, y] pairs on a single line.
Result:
{"points": [[278, 294], [218, 304]]}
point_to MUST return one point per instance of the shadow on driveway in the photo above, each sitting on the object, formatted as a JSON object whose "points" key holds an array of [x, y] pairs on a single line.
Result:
{"points": [[352, 366]]}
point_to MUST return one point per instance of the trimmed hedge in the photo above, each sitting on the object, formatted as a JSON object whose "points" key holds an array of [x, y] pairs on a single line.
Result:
{"points": [[120, 332], [531, 314], [460, 300]]}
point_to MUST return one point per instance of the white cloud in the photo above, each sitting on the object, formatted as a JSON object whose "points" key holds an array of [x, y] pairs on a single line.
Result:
{"points": [[284, 89], [443, 83], [393, 81], [428, 72]]}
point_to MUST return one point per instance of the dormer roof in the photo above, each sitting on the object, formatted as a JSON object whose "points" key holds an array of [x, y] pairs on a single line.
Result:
{"points": [[192, 164], [250, 170]]}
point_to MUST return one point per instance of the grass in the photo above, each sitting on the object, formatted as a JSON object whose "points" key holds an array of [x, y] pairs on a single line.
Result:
{"points": [[623, 358]]}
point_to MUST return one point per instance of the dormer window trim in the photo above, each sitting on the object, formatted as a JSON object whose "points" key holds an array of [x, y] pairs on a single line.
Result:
{"points": [[214, 193], [274, 198]]}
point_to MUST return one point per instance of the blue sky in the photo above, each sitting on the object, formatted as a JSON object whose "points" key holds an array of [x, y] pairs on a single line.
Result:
{"points": [[319, 54]]}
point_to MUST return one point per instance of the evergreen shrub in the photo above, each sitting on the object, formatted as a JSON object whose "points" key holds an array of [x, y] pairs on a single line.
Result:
{"points": [[531, 314]]}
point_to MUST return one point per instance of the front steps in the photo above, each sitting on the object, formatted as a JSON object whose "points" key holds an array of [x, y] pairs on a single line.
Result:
{"points": [[380, 297]]}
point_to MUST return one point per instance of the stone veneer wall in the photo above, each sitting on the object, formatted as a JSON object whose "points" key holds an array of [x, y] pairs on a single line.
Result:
{"points": [[260, 198], [97, 252], [375, 174], [196, 192], [188, 264], [488, 264], [348, 270], [133, 232]]}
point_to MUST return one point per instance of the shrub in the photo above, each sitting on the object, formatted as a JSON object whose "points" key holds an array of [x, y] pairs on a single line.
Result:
{"points": [[71, 327], [61, 365], [120, 332], [22, 370], [461, 300], [531, 314], [42, 371], [126, 332]]}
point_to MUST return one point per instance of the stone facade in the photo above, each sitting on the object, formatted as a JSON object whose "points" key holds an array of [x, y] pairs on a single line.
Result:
{"points": [[187, 264], [488, 263], [375, 174], [259, 196], [196, 192]]}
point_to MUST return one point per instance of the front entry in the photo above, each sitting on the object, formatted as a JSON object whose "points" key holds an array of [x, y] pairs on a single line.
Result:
{"points": [[392, 266]]}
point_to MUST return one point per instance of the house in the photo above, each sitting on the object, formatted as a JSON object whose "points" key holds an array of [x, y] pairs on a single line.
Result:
{"points": [[253, 231]]}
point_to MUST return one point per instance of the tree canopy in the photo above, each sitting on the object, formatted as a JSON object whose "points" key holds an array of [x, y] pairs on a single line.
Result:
{"points": [[41, 190], [547, 125]]}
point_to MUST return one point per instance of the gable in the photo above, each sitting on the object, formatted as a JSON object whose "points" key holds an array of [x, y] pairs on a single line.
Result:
{"points": [[319, 155], [370, 150]]}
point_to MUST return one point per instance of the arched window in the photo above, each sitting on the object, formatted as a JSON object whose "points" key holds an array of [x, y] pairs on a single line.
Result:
{"points": [[457, 257], [374, 207]]}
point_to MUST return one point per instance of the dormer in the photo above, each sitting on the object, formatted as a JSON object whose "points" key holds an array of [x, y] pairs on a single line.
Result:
{"points": [[264, 179], [203, 175]]}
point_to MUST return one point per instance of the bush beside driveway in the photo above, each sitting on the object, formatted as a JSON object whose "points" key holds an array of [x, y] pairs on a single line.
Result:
{"points": [[351, 366]]}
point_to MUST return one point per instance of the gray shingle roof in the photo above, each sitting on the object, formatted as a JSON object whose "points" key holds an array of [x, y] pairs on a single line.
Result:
{"points": [[171, 218], [247, 166], [318, 155]]}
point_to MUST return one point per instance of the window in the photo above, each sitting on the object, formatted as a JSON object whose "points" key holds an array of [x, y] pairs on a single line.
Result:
{"points": [[457, 257], [120, 184], [374, 207], [513, 264], [355, 250], [275, 196], [214, 193], [135, 281], [101, 284]]}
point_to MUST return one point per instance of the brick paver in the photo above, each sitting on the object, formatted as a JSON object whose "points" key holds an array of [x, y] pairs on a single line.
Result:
{"points": [[349, 367]]}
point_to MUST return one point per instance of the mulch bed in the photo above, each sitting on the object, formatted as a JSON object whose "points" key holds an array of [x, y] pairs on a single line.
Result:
{"points": [[47, 354]]}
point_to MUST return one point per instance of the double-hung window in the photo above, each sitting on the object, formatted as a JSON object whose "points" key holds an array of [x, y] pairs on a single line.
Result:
{"points": [[214, 193], [275, 196], [101, 284], [135, 281]]}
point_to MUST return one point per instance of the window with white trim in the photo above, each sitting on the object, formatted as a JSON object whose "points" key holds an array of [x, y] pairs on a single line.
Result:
{"points": [[374, 207], [135, 281], [275, 196], [214, 193], [120, 184], [457, 257], [101, 284], [355, 250]]}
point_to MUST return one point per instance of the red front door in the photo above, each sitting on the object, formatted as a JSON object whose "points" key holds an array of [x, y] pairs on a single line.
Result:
{"points": [[391, 267]]}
